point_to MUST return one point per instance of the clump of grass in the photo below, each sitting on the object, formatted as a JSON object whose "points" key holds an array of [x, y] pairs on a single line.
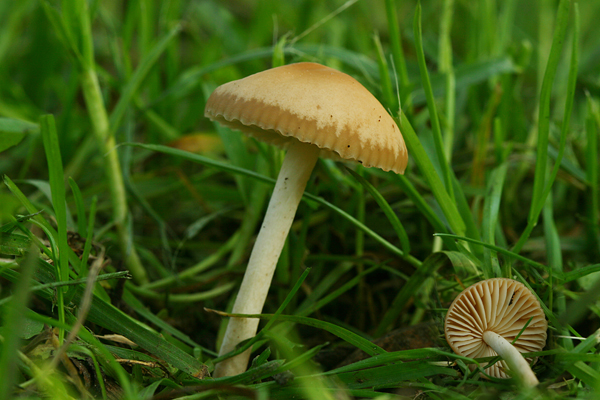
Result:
{"points": [[498, 104]]}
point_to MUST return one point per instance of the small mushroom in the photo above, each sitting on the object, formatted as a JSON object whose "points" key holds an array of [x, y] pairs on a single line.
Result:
{"points": [[485, 319], [313, 111]]}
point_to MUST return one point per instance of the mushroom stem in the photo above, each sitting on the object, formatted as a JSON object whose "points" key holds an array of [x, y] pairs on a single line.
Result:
{"points": [[519, 367], [295, 171]]}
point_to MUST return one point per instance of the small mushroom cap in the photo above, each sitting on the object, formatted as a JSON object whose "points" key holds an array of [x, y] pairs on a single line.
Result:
{"points": [[314, 104], [499, 305]]}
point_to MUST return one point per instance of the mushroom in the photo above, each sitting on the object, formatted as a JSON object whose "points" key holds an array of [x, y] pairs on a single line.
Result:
{"points": [[485, 319], [313, 111]]}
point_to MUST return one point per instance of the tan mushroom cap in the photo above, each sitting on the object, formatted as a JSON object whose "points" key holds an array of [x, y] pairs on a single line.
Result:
{"points": [[499, 305], [314, 104]]}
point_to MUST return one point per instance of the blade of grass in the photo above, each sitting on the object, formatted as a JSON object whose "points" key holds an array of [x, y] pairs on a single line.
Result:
{"points": [[203, 265], [97, 346], [387, 376], [424, 208], [555, 262], [433, 116], [143, 311], [390, 100], [12, 131], [39, 219], [12, 318], [57, 183], [336, 293], [410, 288], [428, 170], [500, 250], [87, 247], [129, 91], [580, 272], [81, 225], [446, 68], [592, 128], [570, 97], [344, 334], [539, 183], [236, 151], [387, 210], [397, 51], [491, 207]]}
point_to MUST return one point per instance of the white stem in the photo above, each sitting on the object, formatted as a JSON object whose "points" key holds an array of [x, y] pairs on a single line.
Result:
{"points": [[295, 171], [519, 367]]}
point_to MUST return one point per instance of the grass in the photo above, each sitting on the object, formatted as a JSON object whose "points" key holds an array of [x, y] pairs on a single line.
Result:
{"points": [[126, 218]]}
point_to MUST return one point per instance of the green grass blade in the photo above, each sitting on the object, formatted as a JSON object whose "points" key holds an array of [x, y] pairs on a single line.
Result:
{"points": [[138, 77], [343, 333], [424, 208], [544, 111], [397, 51], [592, 129], [236, 151], [38, 218], [571, 86], [13, 316], [410, 288], [539, 183], [387, 210], [81, 220], [491, 207], [57, 183], [143, 311], [87, 247], [433, 115], [12, 131], [415, 148], [14, 244], [336, 293], [580, 272], [390, 100], [388, 376], [76, 19], [500, 250], [98, 347]]}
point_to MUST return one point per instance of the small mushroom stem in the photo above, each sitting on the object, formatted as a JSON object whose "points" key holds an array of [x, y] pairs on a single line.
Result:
{"points": [[293, 176], [519, 367]]}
